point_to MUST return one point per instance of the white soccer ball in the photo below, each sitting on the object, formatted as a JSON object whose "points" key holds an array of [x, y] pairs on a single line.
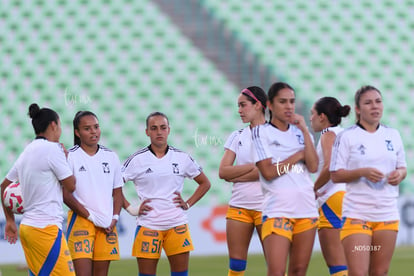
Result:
{"points": [[13, 199]]}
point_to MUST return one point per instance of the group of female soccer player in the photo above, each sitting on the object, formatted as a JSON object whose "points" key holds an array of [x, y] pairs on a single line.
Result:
{"points": [[352, 203], [89, 178]]}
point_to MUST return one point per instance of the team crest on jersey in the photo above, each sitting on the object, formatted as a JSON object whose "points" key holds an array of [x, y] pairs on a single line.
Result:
{"points": [[105, 167], [175, 168], [362, 149], [78, 247], [390, 147], [300, 139], [145, 247], [111, 238]]}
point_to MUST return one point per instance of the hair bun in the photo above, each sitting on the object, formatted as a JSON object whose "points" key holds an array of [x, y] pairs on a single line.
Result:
{"points": [[34, 110], [344, 110]]}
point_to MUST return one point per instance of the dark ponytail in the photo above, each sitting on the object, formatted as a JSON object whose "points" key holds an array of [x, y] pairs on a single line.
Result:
{"points": [[333, 109], [41, 117]]}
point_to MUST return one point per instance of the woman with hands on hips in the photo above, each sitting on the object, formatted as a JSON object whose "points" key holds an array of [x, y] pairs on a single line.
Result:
{"points": [[158, 172]]}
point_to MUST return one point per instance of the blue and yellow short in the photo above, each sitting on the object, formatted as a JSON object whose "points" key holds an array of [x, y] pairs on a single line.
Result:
{"points": [[330, 213], [357, 226], [287, 227], [46, 250], [148, 243], [86, 241], [244, 215]]}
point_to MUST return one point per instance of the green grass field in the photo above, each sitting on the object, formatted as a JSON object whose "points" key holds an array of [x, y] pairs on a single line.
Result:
{"points": [[402, 265]]}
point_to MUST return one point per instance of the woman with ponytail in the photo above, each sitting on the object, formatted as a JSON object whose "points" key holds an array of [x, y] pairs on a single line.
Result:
{"points": [[42, 171], [370, 158], [97, 201], [237, 166], [326, 115]]}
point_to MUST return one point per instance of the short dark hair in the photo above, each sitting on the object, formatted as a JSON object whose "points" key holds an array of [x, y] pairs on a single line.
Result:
{"points": [[156, 113], [41, 117]]}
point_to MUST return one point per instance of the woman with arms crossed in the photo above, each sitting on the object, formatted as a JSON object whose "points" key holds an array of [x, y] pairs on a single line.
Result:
{"points": [[325, 117], [245, 206], [42, 171], [97, 201], [158, 172], [285, 157], [370, 158]]}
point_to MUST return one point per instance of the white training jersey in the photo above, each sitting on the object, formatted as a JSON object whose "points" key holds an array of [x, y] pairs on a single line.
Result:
{"points": [[96, 178], [39, 169], [330, 187], [246, 195], [158, 179], [357, 148], [290, 195]]}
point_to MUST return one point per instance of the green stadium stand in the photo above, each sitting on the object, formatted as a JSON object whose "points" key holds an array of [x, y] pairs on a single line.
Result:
{"points": [[121, 60], [332, 48], [125, 59]]}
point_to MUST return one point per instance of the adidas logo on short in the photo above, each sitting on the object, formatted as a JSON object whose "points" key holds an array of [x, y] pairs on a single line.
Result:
{"points": [[149, 171], [82, 169], [186, 243], [114, 251]]}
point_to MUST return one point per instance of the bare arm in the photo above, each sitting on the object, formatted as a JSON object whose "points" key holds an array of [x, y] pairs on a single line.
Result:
{"points": [[327, 141], [118, 199], [343, 175], [253, 175], [74, 204], [69, 183], [118, 202], [10, 229], [203, 186], [270, 171], [236, 173]]}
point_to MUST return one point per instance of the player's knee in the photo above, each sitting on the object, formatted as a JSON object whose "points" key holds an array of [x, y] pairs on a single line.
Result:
{"points": [[237, 265], [338, 270]]}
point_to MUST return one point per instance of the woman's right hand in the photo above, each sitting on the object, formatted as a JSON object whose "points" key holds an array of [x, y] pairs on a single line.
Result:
{"points": [[144, 208], [372, 174], [10, 232]]}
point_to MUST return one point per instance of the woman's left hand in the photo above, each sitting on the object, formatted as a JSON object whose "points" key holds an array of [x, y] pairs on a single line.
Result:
{"points": [[395, 177], [179, 202]]}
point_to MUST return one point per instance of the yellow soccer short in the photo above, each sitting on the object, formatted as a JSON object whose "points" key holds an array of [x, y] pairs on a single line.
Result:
{"points": [[244, 215], [358, 226], [86, 241], [46, 250], [330, 213], [148, 242], [287, 227]]}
